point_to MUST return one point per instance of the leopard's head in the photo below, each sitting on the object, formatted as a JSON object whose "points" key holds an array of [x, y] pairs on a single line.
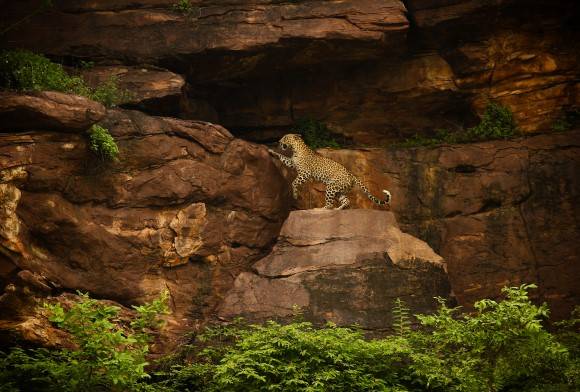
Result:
{"points": [[291, 141]]}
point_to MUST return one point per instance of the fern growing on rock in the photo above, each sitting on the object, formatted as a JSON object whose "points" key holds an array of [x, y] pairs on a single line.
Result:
{"points": [[102, 143], [401, 318]]}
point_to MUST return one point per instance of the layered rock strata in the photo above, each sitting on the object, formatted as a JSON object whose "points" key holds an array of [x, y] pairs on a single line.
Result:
{"points": [[186, 207], [500, 213], [373, 70]]}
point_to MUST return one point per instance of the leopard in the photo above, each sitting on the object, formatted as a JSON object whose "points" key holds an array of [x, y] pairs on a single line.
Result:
{"points": [[310, 165]]}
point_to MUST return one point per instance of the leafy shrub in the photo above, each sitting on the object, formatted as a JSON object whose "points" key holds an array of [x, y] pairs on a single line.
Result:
{"points": [[24, 70], [109, 94], [102, 143], [315, 134], [497, 122], [109, 356], [296, 357], [501, 347]]}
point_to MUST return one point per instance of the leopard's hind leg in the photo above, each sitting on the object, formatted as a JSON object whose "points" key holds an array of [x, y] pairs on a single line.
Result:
{"points": [[344, 202], [338, 190]]}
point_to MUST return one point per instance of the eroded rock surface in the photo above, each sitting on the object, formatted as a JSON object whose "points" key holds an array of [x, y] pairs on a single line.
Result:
{"points": [[346, 267], [151, 32], [500, 213], [152, 90], [187, 207], [47, 110], [373, 70]]}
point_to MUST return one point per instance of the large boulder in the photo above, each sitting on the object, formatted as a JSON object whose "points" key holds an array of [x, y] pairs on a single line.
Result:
{"points": [[186, 207], [345, 267], [500, 212]]}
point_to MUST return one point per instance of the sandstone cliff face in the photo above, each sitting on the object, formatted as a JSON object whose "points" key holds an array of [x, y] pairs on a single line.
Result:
{"points": [[500, 213], [372, 69], [192, 208], [184, 194]]}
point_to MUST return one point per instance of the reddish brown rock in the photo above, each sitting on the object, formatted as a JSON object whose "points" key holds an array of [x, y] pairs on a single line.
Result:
{"points": [[346, 267], [47, 110], [500, 213], [187, 207], [369, 69], [152, 90], [151, 31]]}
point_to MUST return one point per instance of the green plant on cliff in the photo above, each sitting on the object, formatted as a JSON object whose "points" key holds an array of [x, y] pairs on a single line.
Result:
{"points": [[185, 7], [102, 143], [497, 122], [315, 134], [569, 120], [24, 70], [109, 356]]}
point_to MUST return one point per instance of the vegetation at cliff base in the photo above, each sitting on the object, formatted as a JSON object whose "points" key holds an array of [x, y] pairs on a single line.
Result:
{"points": [[315, 134], [109, 355], [26, 71], [102, 143], [500, 347], [497, 122]]}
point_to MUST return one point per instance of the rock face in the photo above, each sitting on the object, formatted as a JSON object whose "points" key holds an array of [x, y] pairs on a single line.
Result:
{"points": [[373, 70], [187, 207], [346, 267], [47, 110], [152, 90], [500, 213]]}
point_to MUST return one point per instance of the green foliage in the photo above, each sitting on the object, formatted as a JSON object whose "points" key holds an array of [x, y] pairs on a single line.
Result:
{"points": [[185, 7], [109, 94], [497, 122], [24, 70], [102, 143], [109, 356], [401, 318], [315, 134], [296, 357], [502, 346], [567, 121]]}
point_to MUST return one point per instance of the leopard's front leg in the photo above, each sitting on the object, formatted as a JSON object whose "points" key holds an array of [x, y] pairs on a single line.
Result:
{"points": [[300, 179], [284, 159]]}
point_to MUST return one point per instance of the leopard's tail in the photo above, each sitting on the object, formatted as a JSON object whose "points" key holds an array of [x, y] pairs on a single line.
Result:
{"points": [[374, 199]]}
